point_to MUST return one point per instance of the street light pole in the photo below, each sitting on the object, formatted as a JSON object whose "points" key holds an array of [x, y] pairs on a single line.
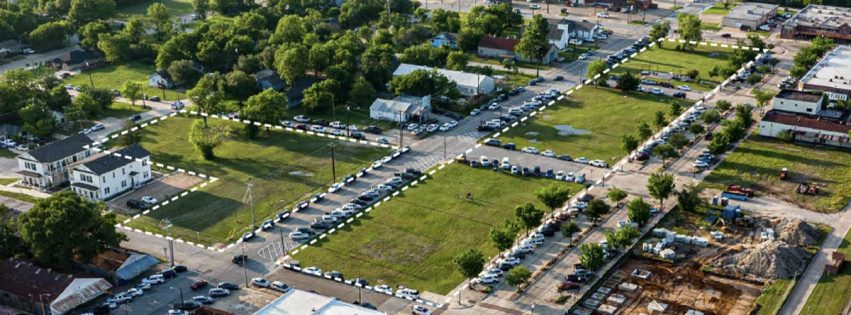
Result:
{"points": [[88, 70], [167, 225], [348, 127], [333, 162]]}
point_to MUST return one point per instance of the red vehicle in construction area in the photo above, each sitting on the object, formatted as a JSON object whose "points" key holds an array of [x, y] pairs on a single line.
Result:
{"points": [[739, 190]]}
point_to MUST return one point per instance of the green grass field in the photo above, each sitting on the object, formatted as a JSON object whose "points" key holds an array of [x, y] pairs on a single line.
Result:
{"points": [[123, 110], [7, 154], [773, 296], [7, 181], [602, 115], [833, 292], [757, 163], [112, 77], [412, 239], [668, 59], [19, 196], [174, 7], [285, 168], [718, 9]]}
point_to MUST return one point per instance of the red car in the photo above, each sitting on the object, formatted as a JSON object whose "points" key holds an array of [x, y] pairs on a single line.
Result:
{"points": [[568, 285], [198, 284]]}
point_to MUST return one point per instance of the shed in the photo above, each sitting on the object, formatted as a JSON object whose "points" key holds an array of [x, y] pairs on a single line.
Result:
{"points": [[77, 293], [135, 265], [607, 309], [616, 299]]}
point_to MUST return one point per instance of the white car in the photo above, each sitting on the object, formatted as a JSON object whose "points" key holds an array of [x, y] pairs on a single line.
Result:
{"points": [[432, 128], [384, 188], [317, 128], [280, 286], [484, 161], [548, 153], [338, 132], [335, 187], [98, 127], [657, 91], [684, 88], [420, 310], [602, 15], [493, 106], [532, 150], [487, 279], [474, 112], [386, 159], [298, 235], [301, 119], [337, 124], [445, 127], [412, 127], [570, 176], [135, 292], [581, 160], [599, 163], [144, 285], [149, 200], [495, 271], [514, 261], [534, 6], [408, 293], [700, 164], [382, 140], [386, 289], [312, 271], [203, 299], [376, 165], [583, 56], [260, 282], [560, 175]]}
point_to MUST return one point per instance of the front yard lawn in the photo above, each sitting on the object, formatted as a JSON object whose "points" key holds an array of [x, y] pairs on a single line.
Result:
{"points": [[670, 60], [833, 292], [112, 77], [591, 123], [757, 163], [285, 168], [123, 110], [412, 239]]}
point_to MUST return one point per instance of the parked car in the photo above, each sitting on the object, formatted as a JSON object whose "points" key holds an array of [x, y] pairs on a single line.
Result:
{"points": [[149, 200], [280, 286], [198, 284], [203, 299], [260, 282], [218, 292], [239, 259], [247, 236], [179, 268], [135, 204], [302, 119]]}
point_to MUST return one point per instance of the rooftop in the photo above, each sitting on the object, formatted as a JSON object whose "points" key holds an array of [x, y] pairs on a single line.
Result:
{"points": [[407, 104], [24, 279], [832, 71], [751, 11], [793, 119], [298, 302], [59, 149], [498, 43], [104, 163], [459, 77], [804, 96], [821, 16]]}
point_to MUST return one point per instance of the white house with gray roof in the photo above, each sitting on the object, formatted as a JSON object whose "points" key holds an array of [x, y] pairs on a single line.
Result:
{"points": [[107, 175], [469, 84], [402, 108], [47, 166]]}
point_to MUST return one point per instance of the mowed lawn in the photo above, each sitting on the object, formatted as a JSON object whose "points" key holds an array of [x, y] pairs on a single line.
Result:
{"points": [[601, 115], [113, 77], [833, 292], [174, 7], [412, 239], [757, 163], [668, 59], [285, 168]]}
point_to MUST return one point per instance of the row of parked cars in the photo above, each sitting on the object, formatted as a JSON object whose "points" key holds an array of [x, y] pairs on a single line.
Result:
{"points": [[506, 165], [337, 128], [626, 52], [422, 130], [514, 113]]}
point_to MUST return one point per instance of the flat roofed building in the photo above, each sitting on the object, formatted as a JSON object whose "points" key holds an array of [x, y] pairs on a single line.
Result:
{"points": [[819, 20], [750, 15], [831, 75], [298, 302], [798, 101], [814, 129]]}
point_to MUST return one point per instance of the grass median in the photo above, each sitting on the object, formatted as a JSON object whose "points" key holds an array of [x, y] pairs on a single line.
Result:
{"points": [[412, 239], [284, 167]]}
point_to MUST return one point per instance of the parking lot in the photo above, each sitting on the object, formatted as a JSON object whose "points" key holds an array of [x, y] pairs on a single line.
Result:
{"points": [[162, 188]]}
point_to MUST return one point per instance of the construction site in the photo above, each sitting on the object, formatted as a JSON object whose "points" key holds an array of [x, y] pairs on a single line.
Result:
{"points": [[711, 261]]}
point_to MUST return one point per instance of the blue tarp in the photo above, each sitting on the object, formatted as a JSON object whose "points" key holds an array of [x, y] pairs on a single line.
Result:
{"points": [[135, 265], [730, 212]]}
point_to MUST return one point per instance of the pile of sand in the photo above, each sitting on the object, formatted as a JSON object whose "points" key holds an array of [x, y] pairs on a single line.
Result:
{"points": [[797, 232], [770, 260]]}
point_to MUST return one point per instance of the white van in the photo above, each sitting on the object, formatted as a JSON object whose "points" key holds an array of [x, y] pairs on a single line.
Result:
{"points": [[505, 163]]}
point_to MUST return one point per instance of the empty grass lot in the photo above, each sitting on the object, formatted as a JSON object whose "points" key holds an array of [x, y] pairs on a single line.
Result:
{"points": [[668, 59], [603, 117], [833, 292], [718, 8], [412, 239], [285, 168], [174, 7], [113, 77], [757, 163]]}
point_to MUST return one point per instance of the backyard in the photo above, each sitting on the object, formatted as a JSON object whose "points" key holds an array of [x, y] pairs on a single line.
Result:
{"points": [[589, 123], [412, 239], [284, 168], [113, 77], [757, 163], [670, 60], [833, 292]]}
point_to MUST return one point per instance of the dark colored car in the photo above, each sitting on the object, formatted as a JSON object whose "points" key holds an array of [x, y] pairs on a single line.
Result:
{"points": [[484, 128], [239, 259], [558, 78], [283, 215], [586, 198], [505, 267], [373, 129], [135, 204], [537, 171], [365, 198], [510, 146], [414, 172], [136, 117], [198, 285], [493, 142], [568, 285], [179, 268], [168, 274], [357, 135], [679, 94], [154, 98], [565, 157], [321, 225], [576, 278], [360, 281], [642, 156], [228, 285], [185, 306]]}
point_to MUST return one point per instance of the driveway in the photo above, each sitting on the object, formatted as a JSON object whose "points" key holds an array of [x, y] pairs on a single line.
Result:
{"points": [[163, 188]]}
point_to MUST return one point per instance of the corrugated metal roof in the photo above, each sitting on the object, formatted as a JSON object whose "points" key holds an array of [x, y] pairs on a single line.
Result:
{"points": [[78, 293]]}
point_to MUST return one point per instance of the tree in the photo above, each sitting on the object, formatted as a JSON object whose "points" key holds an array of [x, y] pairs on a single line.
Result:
{"points": [[629, 143], [50, 35], [424, 82], [710, 116], [676, 109], [131, 90], [89, 33], [504, 235], [268, 106], [206, 139], [762, 97], [10, 244], [457, 60], [87, 104], [533, 43], [362, 93], [596, 209], [319, 94], [470, 263], [628, 82], [644, 131], [445, 21], [207, 94], [239, 85], [744, 115], [116, 48], [660, 30], [659, 119], [183, 72], [723, 105], [688, 198], [529, 216], [678, 140], [689, 29], [616, 195], [65, 228], [290, 29], [290, 63], [568, 229], [201, 7], [591, 256], [696, 128], [518, 275], [660, 185], [37, 119], [719, 144], [638, 211], [595, 69], [553, 196], [158, 14], [84, 11]]}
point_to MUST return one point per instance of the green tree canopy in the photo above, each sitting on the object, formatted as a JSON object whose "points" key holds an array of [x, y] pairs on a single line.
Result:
{"points": [[504, 235], [591, 255], [553, 196], [529, 216], [423, 82], [470, 263], [268, 106], [534, 44], [84, 11], [595, 68], [660, 185], [206, 139], [518, 275], [208, 94], [638, 211]]}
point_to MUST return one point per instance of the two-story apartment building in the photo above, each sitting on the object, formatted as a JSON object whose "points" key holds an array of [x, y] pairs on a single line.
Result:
{"points": [[107, 175], [803, 115], [47, 166]]}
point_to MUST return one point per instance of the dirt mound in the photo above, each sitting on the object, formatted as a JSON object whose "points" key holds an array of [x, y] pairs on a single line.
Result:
{"points": [[797, 232], [770, 260]]}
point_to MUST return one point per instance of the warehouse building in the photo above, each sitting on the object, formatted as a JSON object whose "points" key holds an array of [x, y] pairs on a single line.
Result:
{"points": [[819, 20]]}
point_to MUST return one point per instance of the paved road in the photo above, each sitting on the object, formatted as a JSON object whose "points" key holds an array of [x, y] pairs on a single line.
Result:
{"points": [[37, 58], [16, 204]]}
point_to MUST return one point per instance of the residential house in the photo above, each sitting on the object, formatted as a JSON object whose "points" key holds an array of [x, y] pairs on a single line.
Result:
{"points": [[469, 84], [41, 291], [47, 166], [159, 79], [559, 33], [583, 30], [106, 175], [445, 40], [401, 109], [78, 60], [502, 48]]}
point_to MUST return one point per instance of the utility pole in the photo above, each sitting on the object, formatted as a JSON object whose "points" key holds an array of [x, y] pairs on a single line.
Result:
{"points": [[249, 196], [89, 71], [348, 128], [244, 264], [401, 136], [281, 232], [333, 162], [167, 225]]}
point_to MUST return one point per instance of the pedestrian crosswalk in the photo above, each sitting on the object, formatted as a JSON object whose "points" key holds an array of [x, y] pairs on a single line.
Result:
{"points": [[272, 250]]}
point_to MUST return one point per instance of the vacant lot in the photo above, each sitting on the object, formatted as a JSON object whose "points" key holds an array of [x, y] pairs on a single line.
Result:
{"points": [[175, 7], [113, 77], [833, 292], [412, 239], [718, 8], [589, 123], [757, 163], [284, 167], [670, 60]]}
